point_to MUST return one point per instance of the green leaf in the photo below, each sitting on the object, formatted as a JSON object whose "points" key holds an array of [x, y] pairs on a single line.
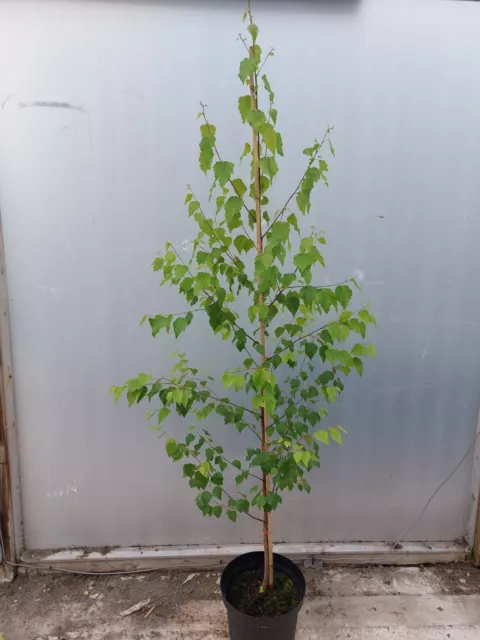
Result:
{"points": [[188, 470], [257, 53], [302, 457], [239, 187], [158, 264], [223, 172], [303, 201], [217, 511], [208, 130], [207, 145], [233, 206], [268, 88], [242, 243], [157, 323], [204, 498], [303, 261], [358, 364], [186, 285], [247, 67], [242, 505], [292, 303], [238, 382], [246, 151], [309, 151], [361, 350], [245, 108], [253, 31], [257, 120], [257, 402], [339, 331], [279, 144], [240, 339], [162, 414], [203, 413], [269, 166], [262, 262], [273, 115], [357, 326], [217, 478], [306, 244], [336, 435], [279, 234], [343, 295], [310, 349], [117, 392], [180, 271], [232, 515], [322, 436], [269, 137], [237, 464], [192, 207], [312, 175], [366, 317], [331, 393], [309, 295], [171, 447], [228, 379], [179, 325], [206, 155]]}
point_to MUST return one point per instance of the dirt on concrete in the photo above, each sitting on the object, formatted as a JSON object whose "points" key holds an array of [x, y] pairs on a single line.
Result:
{"points": [[58, 605], [69, 607]]}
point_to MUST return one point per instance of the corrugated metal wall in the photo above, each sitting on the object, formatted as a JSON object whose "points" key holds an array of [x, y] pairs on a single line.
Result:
{"points": [[92, 185]]}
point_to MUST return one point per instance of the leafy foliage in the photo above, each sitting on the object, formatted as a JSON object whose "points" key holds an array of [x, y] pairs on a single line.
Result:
{"points": [[313, 339]]}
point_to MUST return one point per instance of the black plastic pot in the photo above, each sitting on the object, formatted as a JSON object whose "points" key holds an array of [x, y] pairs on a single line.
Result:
{"points": [[244, 627]]}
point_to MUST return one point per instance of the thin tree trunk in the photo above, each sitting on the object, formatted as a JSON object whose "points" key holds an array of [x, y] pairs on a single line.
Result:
{"points": [[267, 533]]}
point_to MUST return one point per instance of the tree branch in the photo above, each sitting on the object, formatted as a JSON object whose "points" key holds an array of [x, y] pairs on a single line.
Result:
{"points": [[196, 457], [232, 258], [245, 512], [311, 161], [249, 11], [252, 217], [270, 53], [213, 396], [307, 335], [319, 286], [212, 299], [300, 286]]}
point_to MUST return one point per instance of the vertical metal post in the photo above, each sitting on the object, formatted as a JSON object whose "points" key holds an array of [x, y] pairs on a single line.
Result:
{"points": [[10, 511]]}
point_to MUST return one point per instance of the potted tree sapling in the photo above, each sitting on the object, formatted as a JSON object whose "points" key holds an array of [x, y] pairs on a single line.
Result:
{"points": [[251, 274]]}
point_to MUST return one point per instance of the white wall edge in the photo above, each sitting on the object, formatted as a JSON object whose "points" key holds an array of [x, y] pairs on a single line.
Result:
{"points": [[196, 557]]}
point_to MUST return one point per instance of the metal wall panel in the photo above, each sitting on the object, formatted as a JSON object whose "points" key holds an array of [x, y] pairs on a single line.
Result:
{"points": [[98, 138]]}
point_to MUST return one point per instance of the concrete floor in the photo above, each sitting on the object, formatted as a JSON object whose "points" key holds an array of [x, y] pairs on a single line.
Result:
{"points": [[362, 603]]}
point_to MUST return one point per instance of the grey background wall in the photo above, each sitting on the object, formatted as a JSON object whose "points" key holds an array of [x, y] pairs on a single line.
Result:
{"points": [[91, 192]]}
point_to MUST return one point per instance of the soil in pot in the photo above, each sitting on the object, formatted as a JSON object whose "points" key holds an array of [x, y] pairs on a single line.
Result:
{"points": [[247, 596]]}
